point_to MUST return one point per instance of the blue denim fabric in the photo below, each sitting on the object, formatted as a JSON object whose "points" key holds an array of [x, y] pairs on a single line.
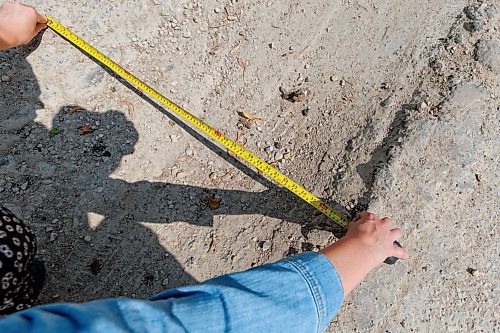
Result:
{"points": [[297, 294]]}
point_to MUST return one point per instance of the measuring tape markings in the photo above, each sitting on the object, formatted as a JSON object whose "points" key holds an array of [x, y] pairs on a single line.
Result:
{"points": [[233, 146]]}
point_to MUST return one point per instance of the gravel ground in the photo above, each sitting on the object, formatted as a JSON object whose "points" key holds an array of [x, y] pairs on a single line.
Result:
{"points": [[395, 110]]}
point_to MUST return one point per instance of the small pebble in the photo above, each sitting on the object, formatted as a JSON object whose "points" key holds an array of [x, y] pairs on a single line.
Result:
{"points": [[5, 78], [217, 10], [189, 152], [165, 282], [459, 38], [287, 156], [305, 112], [186, 34], [87, 239], [53, 236], [173, 138], [422, 106]]}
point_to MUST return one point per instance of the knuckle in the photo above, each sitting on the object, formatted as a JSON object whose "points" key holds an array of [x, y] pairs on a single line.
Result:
{"points": [[387, 220]]}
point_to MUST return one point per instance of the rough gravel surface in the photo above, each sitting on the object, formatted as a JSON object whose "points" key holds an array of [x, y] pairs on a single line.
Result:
{"points": [[390, 106]]}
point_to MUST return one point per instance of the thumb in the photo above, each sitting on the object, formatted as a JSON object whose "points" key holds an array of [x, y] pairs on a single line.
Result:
{"points": [[39, 27]]}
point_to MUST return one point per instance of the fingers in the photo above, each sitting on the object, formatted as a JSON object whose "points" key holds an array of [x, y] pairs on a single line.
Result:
{"points": [[396, 234], [41, 19], [39, 27], [366, 216], [399, 252]]}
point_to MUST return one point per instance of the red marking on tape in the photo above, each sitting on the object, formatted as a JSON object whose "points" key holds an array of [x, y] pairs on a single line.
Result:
{"points": [[323, 206], [218, 134]]}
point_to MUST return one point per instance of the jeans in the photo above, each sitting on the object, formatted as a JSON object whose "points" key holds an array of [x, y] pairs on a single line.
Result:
{"points": [[298, 294]]}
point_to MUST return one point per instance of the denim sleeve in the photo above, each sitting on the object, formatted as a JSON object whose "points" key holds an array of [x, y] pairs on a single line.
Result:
{"points": [[298, 294]]}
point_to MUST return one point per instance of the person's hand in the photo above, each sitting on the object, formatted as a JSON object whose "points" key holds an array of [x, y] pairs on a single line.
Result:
{"points": [[19, 24], [377, 236], [368, 242]]}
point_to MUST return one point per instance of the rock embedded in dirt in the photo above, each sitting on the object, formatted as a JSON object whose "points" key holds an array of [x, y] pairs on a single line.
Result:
{"points": [[473, 12], [473, 26], [295, 96], [490, 11], [269, 149], [6, 78], [487, 52], [389, 101], [458, 38], [265, 245]]}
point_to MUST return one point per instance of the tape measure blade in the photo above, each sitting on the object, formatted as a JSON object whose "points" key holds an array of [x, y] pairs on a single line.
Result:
{"points": [[233, 146]]}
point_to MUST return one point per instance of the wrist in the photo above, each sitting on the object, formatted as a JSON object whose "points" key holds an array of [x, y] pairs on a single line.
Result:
{"points": [[353, 260]]}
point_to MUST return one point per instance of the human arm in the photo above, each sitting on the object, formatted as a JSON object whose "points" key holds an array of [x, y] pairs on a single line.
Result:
{"points": [[298, 294], [19, 24]]}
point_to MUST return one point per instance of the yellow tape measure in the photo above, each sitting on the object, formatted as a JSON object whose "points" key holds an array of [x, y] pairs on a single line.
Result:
{"points": [[234, 147]]}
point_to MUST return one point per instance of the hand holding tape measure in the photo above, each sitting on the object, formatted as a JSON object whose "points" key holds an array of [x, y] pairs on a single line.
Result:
{"points": [[213, 133]]}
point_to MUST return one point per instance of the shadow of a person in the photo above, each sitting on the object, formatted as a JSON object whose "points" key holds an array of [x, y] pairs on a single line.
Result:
{"points": [[124, 254], [55, 179]]}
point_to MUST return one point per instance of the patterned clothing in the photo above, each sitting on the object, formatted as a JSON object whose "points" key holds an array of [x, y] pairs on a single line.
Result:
{"points": [[17, 251]]}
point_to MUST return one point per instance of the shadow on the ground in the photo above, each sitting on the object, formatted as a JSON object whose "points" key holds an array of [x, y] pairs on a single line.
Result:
{"points": [[55, 179]]}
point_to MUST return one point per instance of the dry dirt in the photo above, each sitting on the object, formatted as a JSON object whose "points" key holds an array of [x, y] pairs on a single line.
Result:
{"points": [[400, 116]]}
